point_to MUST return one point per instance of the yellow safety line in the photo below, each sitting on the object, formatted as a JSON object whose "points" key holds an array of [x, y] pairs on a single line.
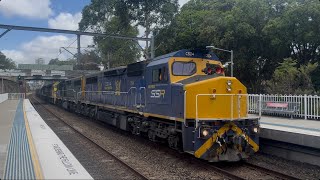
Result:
{"points": [[34, 155]]}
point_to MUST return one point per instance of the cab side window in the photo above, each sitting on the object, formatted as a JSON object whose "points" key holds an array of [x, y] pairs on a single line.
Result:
{"points": [[159, 75], [156, 75]]}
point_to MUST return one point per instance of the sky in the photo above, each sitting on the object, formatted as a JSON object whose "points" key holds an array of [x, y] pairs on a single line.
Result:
{"points": [[24, 47]]}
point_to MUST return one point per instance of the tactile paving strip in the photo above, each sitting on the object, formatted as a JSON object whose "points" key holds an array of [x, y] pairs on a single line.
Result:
{"points": [[19, 163]]}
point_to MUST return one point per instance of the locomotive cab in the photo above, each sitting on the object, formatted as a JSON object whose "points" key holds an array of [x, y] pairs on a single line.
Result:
{"points": [[215, 109]]}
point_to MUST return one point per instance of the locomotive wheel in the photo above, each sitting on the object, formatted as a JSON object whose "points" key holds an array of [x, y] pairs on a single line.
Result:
{"points": [[92, 113], [152, 135], [173, 142]]}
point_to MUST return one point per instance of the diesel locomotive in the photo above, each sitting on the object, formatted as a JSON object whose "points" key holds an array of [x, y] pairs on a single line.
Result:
{"points": [[182, 98]]}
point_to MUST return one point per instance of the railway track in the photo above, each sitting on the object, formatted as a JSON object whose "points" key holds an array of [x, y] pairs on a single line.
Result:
{"points": [[139, 174], [233, 175], [223, 171], [220, 171], [271, 172]]}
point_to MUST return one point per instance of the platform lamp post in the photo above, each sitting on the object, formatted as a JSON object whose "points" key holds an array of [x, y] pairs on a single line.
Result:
{"points": [[225, 50], [1, 85], [1, 65]]}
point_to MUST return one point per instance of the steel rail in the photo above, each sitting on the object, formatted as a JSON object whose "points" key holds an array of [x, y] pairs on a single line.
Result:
{"points": [[217, 169], [226, 173], [271, 172], [220, 171], [134, 170]]}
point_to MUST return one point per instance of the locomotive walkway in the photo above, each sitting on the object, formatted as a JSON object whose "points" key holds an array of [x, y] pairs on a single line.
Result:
{"points": [[29, 149]]}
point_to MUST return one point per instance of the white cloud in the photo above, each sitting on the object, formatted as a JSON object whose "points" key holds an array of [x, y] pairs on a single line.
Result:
{"points": [[46, 47], [142, 34], [65, 21], [182, 2], [15, 55], [34, 9]]}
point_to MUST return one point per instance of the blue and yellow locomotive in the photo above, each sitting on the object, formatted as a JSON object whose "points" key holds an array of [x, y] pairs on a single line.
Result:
{"points": [[182, 98]]}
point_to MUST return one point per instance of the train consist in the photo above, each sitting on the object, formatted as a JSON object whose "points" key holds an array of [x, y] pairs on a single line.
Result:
{"points": [[182, 98]]}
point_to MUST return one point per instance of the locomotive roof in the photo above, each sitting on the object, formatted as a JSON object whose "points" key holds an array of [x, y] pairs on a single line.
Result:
{"points": [[138, 66], [197, 53]]}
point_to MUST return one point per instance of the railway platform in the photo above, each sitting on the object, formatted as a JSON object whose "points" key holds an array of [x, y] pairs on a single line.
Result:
{"points": [[29, 149], [295, 139]]}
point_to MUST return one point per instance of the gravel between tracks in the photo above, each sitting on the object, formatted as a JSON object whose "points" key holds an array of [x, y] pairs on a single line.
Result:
{"points": [[293, 168], [160, 162], [96, 161], [156, 161]]}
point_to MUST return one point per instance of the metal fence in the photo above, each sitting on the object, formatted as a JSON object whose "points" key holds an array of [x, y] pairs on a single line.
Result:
{"points": [[3, 97], [16, 96], [308, 105]]}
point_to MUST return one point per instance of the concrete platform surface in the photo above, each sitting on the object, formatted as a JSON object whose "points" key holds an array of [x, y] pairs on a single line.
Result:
{"points": [[7, 113], [295, 131], [56, 160], [29, 149]]}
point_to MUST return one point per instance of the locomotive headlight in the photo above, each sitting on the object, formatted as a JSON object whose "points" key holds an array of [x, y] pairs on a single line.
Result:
{"points": [[205, 132], [255, 129], [229, 82]]}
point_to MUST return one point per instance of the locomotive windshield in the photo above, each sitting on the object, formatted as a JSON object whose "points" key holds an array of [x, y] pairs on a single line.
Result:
{"points": [[183, 68]]}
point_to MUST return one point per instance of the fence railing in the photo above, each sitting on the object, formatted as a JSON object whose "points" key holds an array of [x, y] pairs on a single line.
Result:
{"points": [[16, 96], [132, 97], [309, 105], [3, 97]]}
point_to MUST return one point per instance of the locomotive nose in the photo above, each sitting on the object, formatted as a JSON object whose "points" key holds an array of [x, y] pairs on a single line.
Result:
{"points": [[215, 99]]}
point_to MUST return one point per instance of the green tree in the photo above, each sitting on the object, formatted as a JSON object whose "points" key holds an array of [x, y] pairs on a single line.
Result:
{"points": [[229, 24], [117, 52], [127, 15], [297, 31], [6, 63], [289, 79], [56, 61], [261, 32], [89, 61]]}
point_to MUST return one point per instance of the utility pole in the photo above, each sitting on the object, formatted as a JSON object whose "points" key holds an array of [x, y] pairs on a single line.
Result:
{"points": [[108, 61], [2, 85], [78, 47], [231, 63], [152, 47], [225, 50]]}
